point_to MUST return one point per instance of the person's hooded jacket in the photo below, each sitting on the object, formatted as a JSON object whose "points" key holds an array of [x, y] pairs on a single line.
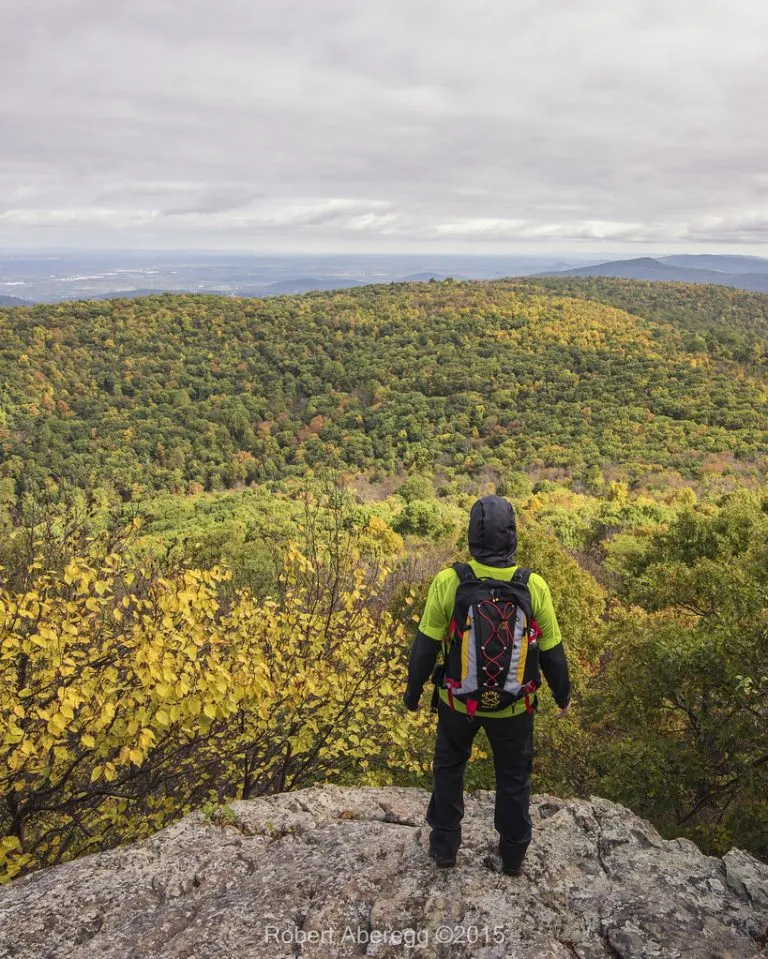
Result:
{"points": [[492, 541]]}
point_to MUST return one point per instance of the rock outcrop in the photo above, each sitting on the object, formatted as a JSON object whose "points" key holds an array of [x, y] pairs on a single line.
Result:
{"points": [[330, 872]]}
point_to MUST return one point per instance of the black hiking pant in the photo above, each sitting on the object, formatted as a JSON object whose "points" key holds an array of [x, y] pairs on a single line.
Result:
{"points": [[511, 740]]}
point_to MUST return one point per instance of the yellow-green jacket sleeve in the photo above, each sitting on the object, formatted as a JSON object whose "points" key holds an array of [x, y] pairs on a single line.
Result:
{"points": [[544, 612], [437, 610]]}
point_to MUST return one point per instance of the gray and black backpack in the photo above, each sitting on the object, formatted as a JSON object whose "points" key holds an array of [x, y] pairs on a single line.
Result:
{"points": [[492, 656]]}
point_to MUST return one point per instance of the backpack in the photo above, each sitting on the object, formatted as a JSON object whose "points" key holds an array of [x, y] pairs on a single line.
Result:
{"points": [[492, 656]]}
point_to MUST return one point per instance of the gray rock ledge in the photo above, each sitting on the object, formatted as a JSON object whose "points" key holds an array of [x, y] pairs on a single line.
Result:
{"points": [[334, 872]]}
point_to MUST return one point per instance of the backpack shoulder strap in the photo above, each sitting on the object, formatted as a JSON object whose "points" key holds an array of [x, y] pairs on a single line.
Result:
{"points": [[465, 572], [521, 575]]}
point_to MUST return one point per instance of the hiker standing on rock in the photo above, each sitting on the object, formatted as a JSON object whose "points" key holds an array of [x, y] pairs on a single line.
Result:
{"points": [[495, 624]]}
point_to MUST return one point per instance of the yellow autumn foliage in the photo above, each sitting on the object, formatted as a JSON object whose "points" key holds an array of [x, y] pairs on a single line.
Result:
{"points": [[130, 697]]}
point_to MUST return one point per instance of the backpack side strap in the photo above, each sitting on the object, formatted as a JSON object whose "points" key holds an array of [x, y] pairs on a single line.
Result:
{"points": [[465, 572], [522, 575]]}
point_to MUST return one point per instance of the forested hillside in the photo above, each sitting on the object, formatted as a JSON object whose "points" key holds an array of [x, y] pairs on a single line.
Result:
{"points": [[730, 324], [219, 519], [172, 390]]}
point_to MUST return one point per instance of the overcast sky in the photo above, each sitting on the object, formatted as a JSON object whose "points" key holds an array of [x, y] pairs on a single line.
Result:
{"points": [[488, 125]]}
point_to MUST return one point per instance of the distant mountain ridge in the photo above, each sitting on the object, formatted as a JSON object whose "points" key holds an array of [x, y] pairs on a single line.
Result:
{"points": [[721, 262], [426, 277], [742, 272], [132, 275]]}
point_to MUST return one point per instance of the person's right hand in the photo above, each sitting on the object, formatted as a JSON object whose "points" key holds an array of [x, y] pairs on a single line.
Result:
{"points": [[411, 705]]}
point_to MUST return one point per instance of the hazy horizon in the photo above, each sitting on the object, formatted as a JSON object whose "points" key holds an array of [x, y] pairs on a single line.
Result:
{"points": [[614, 252], [51, 277]]}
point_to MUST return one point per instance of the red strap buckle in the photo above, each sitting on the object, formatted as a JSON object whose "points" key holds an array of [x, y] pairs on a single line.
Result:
{"points": [[528, 707], [529, 689]]}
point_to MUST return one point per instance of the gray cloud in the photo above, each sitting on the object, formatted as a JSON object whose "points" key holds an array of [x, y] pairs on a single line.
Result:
{"points": [[331, 124]]}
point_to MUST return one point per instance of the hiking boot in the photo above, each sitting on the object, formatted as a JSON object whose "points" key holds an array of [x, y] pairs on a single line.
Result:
{"points": [[443, 860], [508, 867]]}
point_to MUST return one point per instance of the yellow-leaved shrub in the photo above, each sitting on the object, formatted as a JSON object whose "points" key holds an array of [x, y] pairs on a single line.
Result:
{"points": [[130, 697]]}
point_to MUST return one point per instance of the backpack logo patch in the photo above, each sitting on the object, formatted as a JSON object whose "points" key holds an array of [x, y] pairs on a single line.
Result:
{"points": [[490, 700]]}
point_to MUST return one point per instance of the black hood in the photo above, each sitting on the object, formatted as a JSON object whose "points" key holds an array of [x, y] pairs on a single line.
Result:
{"points": [[493, 532]]}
